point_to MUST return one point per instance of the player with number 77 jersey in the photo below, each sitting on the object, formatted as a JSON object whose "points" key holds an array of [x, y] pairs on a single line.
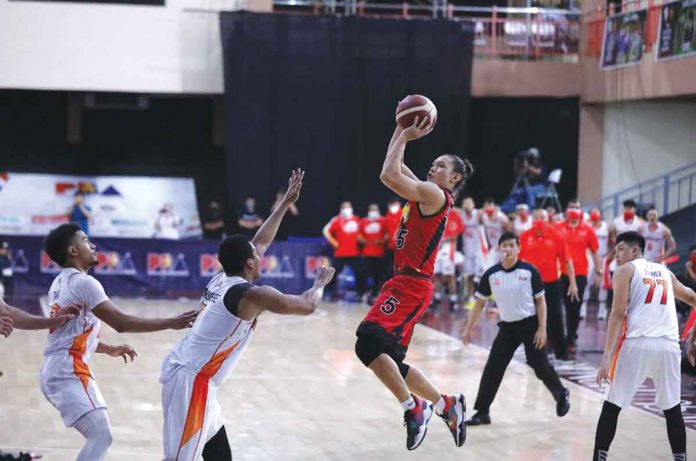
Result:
{"points": [[385, 333]]}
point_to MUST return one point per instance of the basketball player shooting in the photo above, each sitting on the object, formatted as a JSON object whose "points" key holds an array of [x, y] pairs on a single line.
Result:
{"points": [[385, 333], [200, 362]]}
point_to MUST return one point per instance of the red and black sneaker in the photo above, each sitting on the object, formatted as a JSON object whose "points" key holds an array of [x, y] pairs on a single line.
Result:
{"points": [[416, 422], [454, 415]]}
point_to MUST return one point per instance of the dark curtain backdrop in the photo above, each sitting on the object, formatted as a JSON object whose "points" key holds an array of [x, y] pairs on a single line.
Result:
{"points": [[319, 92]]}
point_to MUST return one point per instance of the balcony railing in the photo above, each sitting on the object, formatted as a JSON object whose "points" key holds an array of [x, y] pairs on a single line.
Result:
{"points": [[500, 33]]}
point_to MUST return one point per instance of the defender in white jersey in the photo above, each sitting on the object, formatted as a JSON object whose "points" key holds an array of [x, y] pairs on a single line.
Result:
{"points": [[474, 246], [201, 361], [642, 342], [656, 235], [627, 222], [494, 223], [66, 379], [522, 221]]}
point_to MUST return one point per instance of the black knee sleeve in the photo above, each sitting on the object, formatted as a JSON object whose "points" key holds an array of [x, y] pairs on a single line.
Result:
{"points": [[218, 448]]}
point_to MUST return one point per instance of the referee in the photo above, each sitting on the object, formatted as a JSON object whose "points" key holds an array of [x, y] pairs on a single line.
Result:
{"points": [[519, 293]]}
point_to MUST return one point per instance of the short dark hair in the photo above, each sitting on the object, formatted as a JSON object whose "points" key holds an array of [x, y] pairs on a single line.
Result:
{"points": [[233, 253], [508, 236], [632, 238], [629, 204], [650, 208], [58, 240], [488, 200]]}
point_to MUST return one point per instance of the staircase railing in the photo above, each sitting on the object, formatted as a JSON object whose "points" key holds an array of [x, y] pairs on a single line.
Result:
{"points": [[668, 193]]}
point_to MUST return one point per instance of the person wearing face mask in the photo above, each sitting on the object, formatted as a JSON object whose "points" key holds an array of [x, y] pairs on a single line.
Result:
{"points": [[445, 260], [373, 236], [543, 247], [494, 223], [656, 235], [522, 220], [580, 239], [475, 247], [249, 221], [342, 233], [519, 293], [627, 222], [594, 279], [391, 220]]}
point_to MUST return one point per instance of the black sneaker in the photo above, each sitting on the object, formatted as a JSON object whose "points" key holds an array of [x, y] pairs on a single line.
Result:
{"points": [[454, 415], [479, 419], [563, 404], [416, 422]]}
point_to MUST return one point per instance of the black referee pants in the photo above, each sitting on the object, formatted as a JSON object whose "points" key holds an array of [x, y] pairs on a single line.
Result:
{"points": [[572, 307], [554, 320], [510, 336]]}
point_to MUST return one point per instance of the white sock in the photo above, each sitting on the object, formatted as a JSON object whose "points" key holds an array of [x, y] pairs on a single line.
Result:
{"points": [[96, 428], [440, 405], [409, 404]]}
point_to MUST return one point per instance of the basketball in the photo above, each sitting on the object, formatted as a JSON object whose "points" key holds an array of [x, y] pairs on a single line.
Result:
{"points": [[413, 106]]}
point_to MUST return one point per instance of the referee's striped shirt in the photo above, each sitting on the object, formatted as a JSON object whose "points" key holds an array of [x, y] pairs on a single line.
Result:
{"points": [[514, 290]]}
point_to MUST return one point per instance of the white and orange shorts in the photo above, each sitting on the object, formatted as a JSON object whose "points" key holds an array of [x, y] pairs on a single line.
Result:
{"points": [[639, 358], [68, 384], [192, 415]]}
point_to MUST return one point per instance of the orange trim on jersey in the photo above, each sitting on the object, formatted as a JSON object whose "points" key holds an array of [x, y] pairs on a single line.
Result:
{"points": [[195, 415], [615, 357], [80, 368]]}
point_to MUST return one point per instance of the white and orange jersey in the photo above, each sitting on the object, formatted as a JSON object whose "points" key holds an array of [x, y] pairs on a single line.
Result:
{"points": [[520, 226], [217, 339], [622, 225], [651, 309], [494, 226], [654, 240], [78, 337], [602, 233], [473, 239]]}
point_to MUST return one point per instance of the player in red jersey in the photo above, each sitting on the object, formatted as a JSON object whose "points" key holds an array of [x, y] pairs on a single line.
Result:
{"points": [[385, 333]]}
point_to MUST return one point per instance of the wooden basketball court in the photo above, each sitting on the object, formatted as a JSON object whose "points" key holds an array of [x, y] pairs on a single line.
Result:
{"points": [[300, 393]]}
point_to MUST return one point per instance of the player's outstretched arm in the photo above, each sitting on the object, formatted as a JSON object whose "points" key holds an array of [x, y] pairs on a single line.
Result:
{"points": [[124, 351], [259, 299], [124, 323], [25, 321], [621, 283], [267, 232], [405, 185]]}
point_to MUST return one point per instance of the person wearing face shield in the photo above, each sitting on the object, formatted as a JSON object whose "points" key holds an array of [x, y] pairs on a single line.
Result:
{"points": [[373, 236], [342, 233], [580, 239]]}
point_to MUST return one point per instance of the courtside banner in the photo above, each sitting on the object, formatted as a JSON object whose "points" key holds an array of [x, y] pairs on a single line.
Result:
{"points": [[121, 206], [677, 35], [623, 40]]}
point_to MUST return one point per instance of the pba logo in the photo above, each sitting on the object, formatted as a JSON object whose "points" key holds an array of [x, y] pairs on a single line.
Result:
{"points": [[279, 268], [20, 264], [48, 266], [167, 264], [114, 263], [312, 263], [209, 265]]}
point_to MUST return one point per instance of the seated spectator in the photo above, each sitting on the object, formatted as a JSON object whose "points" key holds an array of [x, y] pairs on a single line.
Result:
{"points": [[214, 222], [167, 223], [249, 221], [80, 213]]}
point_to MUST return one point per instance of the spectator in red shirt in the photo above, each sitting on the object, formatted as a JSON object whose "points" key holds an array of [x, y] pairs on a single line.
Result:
{"points": [[392, 221], [544, 247], [342, 233], [373, 237], [579, 238]]}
